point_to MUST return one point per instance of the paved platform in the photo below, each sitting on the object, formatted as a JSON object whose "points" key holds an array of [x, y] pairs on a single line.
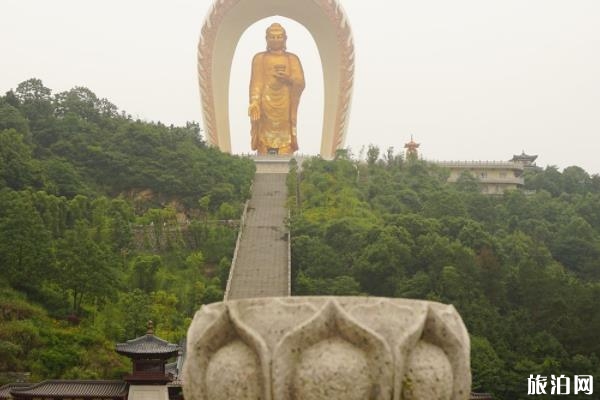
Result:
{"points": [[261, 267]]}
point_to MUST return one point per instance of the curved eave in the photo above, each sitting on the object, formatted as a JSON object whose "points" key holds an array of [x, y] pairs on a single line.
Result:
{"points": [[67, 389], [153, 356]]}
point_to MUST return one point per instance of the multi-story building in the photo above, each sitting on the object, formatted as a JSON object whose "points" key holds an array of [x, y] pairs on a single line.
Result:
{"points": [[494, 177]]}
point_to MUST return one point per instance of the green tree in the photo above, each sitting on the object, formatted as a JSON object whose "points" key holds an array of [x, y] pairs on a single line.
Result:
{"points": [[25, 246], [577, 246], [467, 182], [486, 365], [17, 168], [372, 155], [575, 180], [36, 103], [11, 118], [84, 267], [144, 272]]}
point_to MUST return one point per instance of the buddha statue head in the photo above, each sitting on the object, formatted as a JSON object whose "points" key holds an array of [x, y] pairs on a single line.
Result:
{"points": [[276, 37]]}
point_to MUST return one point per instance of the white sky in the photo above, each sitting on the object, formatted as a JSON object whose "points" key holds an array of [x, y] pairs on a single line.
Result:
{"points": [[470, 79]]}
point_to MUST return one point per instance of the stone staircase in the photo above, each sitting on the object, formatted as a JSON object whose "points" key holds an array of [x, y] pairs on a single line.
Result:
{"points": [[261, 264]]}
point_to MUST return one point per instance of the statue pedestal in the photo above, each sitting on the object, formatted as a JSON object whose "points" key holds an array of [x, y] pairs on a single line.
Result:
{"points": [[327, 348], [272, 164]]}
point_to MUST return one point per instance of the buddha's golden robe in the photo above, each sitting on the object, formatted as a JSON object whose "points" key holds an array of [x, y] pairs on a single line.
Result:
{"points": [[278, 101]]}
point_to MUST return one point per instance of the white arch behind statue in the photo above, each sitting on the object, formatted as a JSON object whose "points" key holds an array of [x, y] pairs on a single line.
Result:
{"points": [[222, 29]]}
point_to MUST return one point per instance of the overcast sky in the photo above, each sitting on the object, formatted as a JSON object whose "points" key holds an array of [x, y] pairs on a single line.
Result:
{"points": [[470, 79]]}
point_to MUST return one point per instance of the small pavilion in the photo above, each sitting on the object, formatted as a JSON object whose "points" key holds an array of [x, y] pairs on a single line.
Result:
{"points": [[149, 355], [148, 381], [527, 160]]}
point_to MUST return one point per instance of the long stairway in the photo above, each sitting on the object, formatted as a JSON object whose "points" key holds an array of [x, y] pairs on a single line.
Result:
{"points": [[261, 264]]}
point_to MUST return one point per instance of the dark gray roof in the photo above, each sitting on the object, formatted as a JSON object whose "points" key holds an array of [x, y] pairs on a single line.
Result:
{"points": [[73, 389], [171, 368], [523, 156], [481, 396], [147, 345], [175, 368], [5, 390]]}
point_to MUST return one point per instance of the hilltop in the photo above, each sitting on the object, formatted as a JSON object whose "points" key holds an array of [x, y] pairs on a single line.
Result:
{"points": [[105, 222]]}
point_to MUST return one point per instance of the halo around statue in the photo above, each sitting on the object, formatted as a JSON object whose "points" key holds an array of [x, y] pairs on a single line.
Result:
{"points": [[222, 29]]}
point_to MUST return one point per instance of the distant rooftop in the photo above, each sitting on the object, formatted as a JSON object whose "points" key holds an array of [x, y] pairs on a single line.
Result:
{"points": [[526, 159], [474, 164], [481, 396], [61, 389], [5, 390], [148, 345]]}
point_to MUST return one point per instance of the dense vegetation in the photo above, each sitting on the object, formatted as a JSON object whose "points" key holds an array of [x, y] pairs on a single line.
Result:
{"points": [[523, 269], [105, 222]]}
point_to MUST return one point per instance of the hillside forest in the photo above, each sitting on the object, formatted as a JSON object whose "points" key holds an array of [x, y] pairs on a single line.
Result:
{"points": [[107, 221], [522, 269]]}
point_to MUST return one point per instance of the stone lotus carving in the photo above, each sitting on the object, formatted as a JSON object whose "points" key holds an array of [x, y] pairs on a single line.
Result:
{"points": [[327, 348]]}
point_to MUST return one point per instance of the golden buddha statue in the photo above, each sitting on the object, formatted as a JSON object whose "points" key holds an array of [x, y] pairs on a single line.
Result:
{"points": [[276, 84]]}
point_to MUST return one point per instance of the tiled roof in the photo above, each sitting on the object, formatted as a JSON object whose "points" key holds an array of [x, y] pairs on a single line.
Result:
{"points": [[171, 368], [175, 368], [73, 389], [147, 344], [5, 390], [481, 396]]}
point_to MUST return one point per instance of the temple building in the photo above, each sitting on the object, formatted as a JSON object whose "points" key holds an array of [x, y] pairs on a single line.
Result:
{"points": [[151, 379], [494, 177], [527, 160], [149, 355], [5, 390]]}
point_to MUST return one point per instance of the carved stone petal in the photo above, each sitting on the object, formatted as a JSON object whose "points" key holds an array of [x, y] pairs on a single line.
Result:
{"points": [[444, 328], [272, 320], [428, 375], [335, 345], [215, 341], [204, 318], [233, 372], [401, 326]]}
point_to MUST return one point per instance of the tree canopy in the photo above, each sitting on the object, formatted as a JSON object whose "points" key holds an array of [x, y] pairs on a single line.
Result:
{"points": [[522, 269], [103, 226]]}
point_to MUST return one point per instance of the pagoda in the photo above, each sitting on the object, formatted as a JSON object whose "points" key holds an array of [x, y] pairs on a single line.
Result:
{"points": [[149, 354], [526, 159], [411, 147]]}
